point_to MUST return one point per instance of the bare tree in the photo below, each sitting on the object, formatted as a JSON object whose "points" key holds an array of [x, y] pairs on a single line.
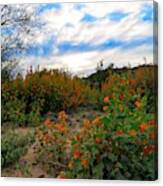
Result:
{"points": [[18, 27]]}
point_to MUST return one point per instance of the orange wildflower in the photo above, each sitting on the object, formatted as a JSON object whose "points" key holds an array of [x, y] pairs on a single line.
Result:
{"points": [[123, 81], [138, 104], [152, 122], [96, 121], [48, 122], [86, 123], [143, 126], [119, 132], [106, 99], [84, 163], [144, 142], [121, 97], [76, 154], [148, 149], [60, 127], [97, 140], [83, 130], [105, 108], [152, 134], [76, 145], [132, 82], [62, 175], [132, 133], [78, 138], [47, 138], [62, 115]]}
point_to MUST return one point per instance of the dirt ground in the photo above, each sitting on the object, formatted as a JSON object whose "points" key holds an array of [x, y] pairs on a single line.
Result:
{"points": [[27, 166]]}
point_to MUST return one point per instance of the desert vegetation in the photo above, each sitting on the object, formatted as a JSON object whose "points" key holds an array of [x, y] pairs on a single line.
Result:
{"points": [[62, 126]]}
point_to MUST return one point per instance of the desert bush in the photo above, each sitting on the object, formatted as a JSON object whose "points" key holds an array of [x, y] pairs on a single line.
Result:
{"points": [[33, 118], [53, 144], [14, 111], [13, 146], [120, 145], [49, 90], [54, 91]]}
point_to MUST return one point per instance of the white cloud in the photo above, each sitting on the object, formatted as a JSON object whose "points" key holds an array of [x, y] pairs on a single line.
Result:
{"points": [[65, 25], [101, 9], [97, 32]]}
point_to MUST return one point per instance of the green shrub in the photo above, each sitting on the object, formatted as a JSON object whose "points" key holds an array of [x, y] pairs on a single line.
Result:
{"points": [[34, 117], [13, 146], [120, 145], [14, 111]]}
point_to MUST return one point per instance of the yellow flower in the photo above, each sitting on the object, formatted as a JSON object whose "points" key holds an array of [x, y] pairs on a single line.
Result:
{"points": [[71, 165]]}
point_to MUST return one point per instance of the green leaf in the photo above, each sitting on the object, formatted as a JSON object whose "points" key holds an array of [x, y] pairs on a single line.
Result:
{"points": [[106, 121]]}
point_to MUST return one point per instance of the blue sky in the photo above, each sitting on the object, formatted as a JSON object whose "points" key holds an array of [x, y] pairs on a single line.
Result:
{"points": [[88, 18], [146, 13], [108, 44], [47, 7], [77, 35], [117, 15]]}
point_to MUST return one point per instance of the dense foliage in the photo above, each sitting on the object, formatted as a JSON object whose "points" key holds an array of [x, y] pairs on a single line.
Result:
{"points": [[25, 100]]}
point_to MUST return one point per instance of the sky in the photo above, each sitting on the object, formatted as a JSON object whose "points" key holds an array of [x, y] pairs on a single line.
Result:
{"points": [[76, 36]]}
